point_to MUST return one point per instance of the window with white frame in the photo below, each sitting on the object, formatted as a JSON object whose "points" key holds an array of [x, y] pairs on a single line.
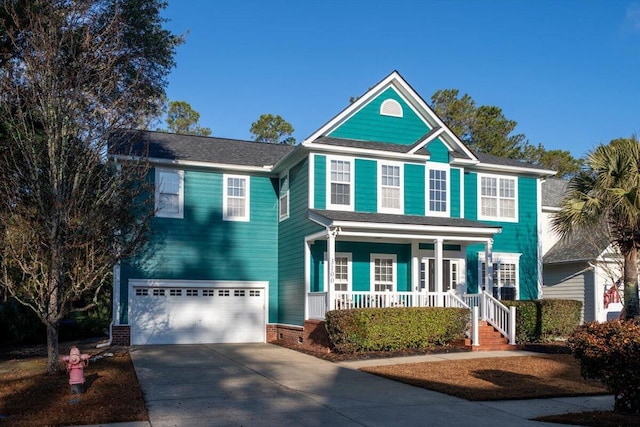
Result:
{"points": [[498, 197], [284, 197], [391, 107], [169, 193], [390, 199], [383, 272], [340, 184], [438, 189], [342, 269], [506, 267], [236, 198]]}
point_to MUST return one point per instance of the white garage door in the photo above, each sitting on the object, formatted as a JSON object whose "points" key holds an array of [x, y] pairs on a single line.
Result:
{"points": [[184, 313]]}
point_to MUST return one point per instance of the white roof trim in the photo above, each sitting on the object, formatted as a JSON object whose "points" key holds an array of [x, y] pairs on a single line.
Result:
{"points": [[190, 163], [394, 79], [369, 152], [506, 168], [435, 132]]}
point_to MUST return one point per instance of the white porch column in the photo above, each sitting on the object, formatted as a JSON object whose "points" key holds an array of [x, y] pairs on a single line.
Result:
{"points": [[415, 266], [488, 271], [331, 259], [438, 251], [307, 277]]}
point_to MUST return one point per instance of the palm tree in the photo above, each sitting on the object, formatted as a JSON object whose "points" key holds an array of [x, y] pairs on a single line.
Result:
{"points": [[608, 189]]}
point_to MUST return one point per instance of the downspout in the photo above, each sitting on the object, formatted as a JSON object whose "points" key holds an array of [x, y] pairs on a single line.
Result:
{"points": [[115, 305]]}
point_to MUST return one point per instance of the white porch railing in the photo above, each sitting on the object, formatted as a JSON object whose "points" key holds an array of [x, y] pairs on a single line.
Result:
{"points": [[317, 305], [490, 309]]}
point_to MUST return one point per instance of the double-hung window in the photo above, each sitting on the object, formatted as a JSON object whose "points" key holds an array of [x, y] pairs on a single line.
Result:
{"points": [[390, 199], [506, 267], [340, 184], [498, 198], [383, 272], [437, 189], [284, 197], [169, 193], [236, 198]]}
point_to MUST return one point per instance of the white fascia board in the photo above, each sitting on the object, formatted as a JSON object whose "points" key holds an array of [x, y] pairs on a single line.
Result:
{"points": [[421, 237], [359, 103], [365, 152], [204, 165], [430, 137], [416, 228], [320, 220], [515, 169], [463, 162]]}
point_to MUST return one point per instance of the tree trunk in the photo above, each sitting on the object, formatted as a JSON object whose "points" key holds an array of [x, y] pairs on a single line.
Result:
{"points": [[631, 303], [52, 348]]}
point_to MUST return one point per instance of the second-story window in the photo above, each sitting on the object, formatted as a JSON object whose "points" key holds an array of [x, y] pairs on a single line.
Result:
{"points": [[284, 197], [390, 188], [438, 190], [340, 184], [236, 198], [498, 198], [169, 197]]}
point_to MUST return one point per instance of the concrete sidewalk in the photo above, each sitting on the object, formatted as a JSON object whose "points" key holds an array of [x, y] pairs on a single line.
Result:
{"points": [[267, 385]]}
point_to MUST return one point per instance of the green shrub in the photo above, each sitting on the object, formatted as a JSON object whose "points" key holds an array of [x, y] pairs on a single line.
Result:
{"points": [[544, 320], [389, 329], [558, 317], [527, 325], [609, 352]]}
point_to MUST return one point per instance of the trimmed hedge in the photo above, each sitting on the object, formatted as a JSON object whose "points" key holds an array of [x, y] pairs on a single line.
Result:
{"points": [[390, 329], [543, 320], [609, 352]]}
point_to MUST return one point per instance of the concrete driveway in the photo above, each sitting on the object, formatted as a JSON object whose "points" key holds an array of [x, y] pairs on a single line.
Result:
{"points": [[267, 385]]}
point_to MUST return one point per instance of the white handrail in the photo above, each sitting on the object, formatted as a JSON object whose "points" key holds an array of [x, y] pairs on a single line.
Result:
{"points": [[499, 316]]}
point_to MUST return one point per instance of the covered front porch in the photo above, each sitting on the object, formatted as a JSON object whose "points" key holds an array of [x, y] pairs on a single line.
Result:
{"points": [[363, 260]]}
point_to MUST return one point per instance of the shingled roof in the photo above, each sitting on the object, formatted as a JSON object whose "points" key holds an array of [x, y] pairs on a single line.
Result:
{"points": [[553, 191], [171, 146], [581, 245]]}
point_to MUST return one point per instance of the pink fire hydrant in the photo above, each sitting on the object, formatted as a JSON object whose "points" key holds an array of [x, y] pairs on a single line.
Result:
{"points": [[75, 367]]}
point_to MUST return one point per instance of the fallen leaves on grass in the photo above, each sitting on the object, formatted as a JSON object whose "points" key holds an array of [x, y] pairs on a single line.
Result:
{"points": [[521, 377], [28, 397]]}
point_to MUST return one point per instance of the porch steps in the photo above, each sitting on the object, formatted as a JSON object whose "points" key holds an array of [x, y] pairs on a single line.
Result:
{"points": [[490, 340]]}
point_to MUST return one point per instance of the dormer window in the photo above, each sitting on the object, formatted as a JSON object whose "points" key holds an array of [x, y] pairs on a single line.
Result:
{"points": [[391, 107]]}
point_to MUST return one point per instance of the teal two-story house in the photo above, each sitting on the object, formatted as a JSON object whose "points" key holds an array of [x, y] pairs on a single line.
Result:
{"points": [[382, 206]]}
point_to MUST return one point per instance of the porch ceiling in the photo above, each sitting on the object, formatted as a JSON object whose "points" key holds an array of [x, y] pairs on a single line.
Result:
{"points": [[403, 226]]}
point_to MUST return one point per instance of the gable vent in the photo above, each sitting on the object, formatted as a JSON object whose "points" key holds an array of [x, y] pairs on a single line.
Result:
{"points": [[391, 107]]}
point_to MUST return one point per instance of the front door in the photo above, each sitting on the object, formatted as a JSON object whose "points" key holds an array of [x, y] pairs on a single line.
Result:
{"points": [[450, 275]]}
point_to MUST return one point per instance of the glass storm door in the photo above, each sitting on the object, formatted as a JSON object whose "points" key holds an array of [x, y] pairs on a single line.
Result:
{"points": [[450, 275]]}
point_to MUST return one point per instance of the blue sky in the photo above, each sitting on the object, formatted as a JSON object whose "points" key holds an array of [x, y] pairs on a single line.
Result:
{"points": [[567, 71]]}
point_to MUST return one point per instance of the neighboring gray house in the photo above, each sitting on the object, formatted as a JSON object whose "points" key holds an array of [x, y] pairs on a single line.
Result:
{"points": [[580, 267]]}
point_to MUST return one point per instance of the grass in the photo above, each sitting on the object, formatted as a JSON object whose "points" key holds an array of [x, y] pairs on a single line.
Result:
{"points": [[30, 397]]}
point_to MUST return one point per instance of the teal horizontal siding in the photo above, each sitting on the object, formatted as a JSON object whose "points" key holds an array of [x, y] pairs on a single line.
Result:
{"points": [[366, 185], [367, 124], [414, 189], [202, 246], [320, 181], [438, 151]]}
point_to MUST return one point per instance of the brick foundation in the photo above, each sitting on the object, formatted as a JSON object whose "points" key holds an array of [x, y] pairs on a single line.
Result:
{"points": [[288, 334], [121, 335], [313, 335]]}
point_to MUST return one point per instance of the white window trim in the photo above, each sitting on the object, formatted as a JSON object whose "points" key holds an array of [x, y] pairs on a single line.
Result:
{"points": [[497, 217], [283, 216], [325, 269], [441, 167], [382, 209], [158, 209], [501, 258], [247, 211], [391, 102], [352, 189], [394, 259]]}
